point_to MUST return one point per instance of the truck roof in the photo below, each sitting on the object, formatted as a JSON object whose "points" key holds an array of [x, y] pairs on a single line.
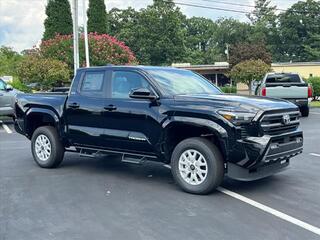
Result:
{"points": [[131, 67]]}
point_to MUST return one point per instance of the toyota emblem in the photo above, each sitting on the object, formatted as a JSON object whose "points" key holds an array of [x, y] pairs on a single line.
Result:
{"points": [[286, 119]]}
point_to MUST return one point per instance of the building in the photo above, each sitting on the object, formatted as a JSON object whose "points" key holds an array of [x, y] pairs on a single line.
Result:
{"points": [[214, 72], [305, 69], [217, 72]]}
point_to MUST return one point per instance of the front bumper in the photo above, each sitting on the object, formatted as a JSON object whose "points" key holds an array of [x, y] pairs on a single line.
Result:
{"points": [[265, 155]]}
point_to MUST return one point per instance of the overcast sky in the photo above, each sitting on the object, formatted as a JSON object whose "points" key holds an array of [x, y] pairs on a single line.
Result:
{"points": [[21, 21]]}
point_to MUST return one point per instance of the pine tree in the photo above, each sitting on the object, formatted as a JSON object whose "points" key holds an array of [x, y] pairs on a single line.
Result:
{"points": [[59, 19], [262, 11], [97, 17]]}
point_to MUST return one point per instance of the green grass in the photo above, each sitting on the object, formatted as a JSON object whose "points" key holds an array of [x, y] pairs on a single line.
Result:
{"points": [[315, 104]]}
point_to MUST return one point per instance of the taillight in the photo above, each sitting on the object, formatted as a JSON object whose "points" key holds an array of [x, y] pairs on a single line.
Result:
{"points": [[264, 91], [309, 92]]}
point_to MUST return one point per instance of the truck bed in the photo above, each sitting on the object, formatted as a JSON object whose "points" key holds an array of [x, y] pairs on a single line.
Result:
{"points": [[52, 101]]}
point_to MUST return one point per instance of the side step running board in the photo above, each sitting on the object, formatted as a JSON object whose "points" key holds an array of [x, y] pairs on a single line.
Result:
{"points": [[125, 157], [133, 159]]}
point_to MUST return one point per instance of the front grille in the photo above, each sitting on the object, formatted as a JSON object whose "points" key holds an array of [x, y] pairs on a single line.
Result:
{"points": [[278, 123]]}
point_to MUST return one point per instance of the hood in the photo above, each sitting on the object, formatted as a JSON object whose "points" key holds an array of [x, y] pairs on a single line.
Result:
{"points": [[238, 102]]}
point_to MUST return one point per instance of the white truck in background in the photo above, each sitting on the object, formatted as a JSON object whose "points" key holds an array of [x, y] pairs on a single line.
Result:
{"points": [[288, 86]]}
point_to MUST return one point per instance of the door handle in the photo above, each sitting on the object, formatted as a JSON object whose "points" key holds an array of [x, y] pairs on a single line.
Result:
{"points": [[110, 108], [74, 105]]}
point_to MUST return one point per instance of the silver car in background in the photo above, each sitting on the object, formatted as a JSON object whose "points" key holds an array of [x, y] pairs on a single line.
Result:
{"points": [[7, 98]]}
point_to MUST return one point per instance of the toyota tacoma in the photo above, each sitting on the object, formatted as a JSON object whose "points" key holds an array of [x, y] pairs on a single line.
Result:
{"points": [[162, 114]]}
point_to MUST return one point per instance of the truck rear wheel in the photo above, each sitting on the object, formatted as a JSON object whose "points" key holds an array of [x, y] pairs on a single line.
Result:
{"points": [[46, 147], [197, 165], [304, 111]]}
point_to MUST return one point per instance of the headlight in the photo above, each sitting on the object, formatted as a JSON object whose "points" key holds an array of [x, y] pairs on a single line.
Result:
{"points": [[237, 118]]}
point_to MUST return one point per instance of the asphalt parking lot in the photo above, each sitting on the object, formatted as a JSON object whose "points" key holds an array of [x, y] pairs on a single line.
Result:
{"points": [[102, 198]]}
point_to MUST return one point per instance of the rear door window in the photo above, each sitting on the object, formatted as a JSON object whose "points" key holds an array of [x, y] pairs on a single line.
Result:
{"points": [[283, 78], [93, 84]]}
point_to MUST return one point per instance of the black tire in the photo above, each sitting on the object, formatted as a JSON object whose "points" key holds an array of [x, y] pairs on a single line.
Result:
{"points": [[304, 111], [57, 149], [213, 157]]}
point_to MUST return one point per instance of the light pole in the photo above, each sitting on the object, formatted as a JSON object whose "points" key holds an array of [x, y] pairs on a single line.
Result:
{"points": [[75, 36], [86, 41]]}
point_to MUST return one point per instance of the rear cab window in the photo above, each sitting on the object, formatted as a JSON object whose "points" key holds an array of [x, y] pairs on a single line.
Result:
{"points": [[283, 78]]}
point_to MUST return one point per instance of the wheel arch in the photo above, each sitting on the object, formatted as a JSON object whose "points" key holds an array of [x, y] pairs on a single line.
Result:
{"points": [[38, 117], [181, 128]]}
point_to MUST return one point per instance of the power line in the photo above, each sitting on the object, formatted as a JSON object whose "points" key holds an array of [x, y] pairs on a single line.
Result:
{"points": [[207, 7], [227, 9], [252, 6], [238, 4]]}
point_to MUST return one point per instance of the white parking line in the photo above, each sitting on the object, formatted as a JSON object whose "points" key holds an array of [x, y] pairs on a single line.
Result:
{"points": [[315, 154], [315, 113], [5, 127], [267, 209], [272, 211]]}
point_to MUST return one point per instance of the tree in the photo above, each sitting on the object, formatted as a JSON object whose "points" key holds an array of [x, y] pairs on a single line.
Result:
{"points": [[46, 72], [249, 51], [229, 32], [312, 47], [199, 33], [156, 34], [199, 39], [104, 50], [121, 20], [9, 59], [298, 26], [97, 17], [248, 71], [59, 19], [262, 12], [264, 27]]}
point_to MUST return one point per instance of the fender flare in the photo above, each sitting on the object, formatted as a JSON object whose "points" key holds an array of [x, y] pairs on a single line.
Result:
{"points": [[220, 132], [44, 112]]}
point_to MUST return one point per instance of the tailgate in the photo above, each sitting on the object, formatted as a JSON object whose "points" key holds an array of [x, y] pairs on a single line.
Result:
{"points": [[288, 91]]}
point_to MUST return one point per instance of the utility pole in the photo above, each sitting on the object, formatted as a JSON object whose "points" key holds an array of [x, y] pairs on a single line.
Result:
{"points": [[86, 40], [75, 36]]}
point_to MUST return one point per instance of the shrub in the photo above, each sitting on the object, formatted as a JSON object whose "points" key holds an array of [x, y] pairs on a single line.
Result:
{"points": [[315, 83], [104, 49], [17, 84], [229, 89], [47, 73]]}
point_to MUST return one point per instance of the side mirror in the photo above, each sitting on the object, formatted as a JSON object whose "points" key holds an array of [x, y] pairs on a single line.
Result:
{"points": [[142, 93], [9, 87]]}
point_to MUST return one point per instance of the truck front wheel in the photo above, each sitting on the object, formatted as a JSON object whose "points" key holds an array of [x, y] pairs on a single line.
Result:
{"points": [[46, 147], [197, 165]]}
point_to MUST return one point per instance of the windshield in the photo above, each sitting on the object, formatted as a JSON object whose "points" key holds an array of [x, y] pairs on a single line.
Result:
{"points": [[179, 82]]}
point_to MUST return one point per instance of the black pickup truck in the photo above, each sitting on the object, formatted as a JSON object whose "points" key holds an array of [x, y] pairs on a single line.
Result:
{"points": [[162, 114]]}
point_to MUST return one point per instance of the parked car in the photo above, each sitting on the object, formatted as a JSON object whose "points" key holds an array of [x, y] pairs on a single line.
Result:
{"points": [[288, 86], [7, 98], [162, 114], [60, 89]]}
